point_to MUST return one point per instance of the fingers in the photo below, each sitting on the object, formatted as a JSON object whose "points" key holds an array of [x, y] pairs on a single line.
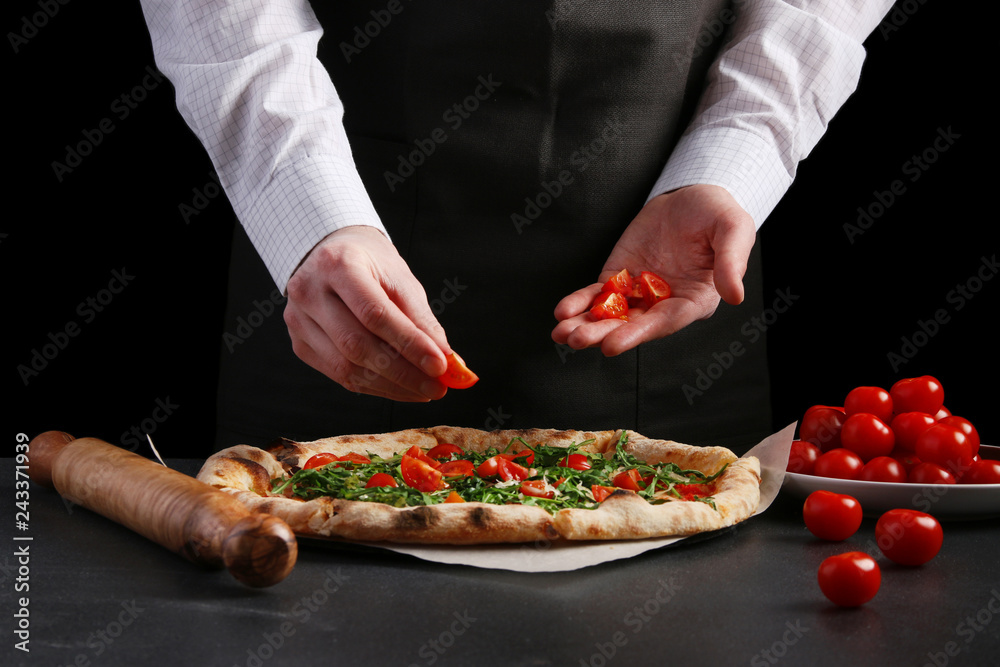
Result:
{"points": [[732, 251]]}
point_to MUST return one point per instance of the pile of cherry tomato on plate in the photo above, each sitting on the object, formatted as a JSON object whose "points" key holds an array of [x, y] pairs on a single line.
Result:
{"points": [[851, 579], [904, 434]]}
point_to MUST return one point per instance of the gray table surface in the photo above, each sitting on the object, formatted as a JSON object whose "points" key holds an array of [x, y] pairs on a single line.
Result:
{"points": [[101, 595]]}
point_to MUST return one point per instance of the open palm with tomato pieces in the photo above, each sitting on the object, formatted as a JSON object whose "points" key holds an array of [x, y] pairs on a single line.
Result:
{"points": [[697, 239]]}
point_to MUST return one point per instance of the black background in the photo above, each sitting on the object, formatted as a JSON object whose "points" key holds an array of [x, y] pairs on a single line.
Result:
{"points": [[159, 339]]}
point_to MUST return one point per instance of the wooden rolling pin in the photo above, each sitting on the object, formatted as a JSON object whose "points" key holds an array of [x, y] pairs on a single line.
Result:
{"points": [[191, 518]]}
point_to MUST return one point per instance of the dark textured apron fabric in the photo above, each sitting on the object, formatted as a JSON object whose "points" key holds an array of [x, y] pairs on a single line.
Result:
{"points": [[506, 148]]}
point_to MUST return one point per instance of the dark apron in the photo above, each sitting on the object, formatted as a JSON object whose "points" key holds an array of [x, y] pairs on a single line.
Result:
{"points": [[506, 147]]}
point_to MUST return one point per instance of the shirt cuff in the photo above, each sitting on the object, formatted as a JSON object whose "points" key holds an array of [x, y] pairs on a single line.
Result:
{"points": [[747, 166], [303, 203]]}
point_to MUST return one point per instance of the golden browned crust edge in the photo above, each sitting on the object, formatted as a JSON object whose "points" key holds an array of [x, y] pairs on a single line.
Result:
{"points": [[241, 471]]}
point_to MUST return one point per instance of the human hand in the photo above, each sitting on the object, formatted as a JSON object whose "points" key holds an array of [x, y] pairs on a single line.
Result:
{"points": [[357, 314], [696, 238]]}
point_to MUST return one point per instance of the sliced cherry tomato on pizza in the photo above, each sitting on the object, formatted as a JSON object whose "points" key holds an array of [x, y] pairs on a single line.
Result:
{"points": [[421, 476], [537, 488], [601, 492], [609, 306], [630, 480], [421, 455], [654, 288], [908, 537], [850, 579], [458, 375], [621, 283], [444, 451], [527, 457], [576, 462], [490, 467], [831, 516], [509, 470], [873, 400], [453, 497], [459, 468], [381, 479], [691, 491], [920, 394], [354, 457], [320, 460]]}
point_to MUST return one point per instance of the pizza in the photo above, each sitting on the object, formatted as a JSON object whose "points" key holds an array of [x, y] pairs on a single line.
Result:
{"points": [[453, 485]]}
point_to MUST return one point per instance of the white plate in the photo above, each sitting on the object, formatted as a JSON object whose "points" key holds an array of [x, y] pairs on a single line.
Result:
{"points": [[944, 501]]}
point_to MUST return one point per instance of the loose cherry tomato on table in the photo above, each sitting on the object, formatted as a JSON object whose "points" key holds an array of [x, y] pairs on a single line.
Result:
{"points": [[867, 436], [320, 460], [946, 446], [821, 426], [420, 475], [802, 457], [883, 469], [838, 463], [457, 375], [920, 394], [831, 516], [930, 473], [983, 471], [381, 479], [908, 537], [849, 579], [908, 426], [873, 400]]}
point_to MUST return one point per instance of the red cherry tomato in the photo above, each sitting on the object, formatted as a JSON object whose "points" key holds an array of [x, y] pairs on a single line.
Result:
{"points": [[802, 457], [444, 451], [850, 579], [576, 462], [831, 516], [920, 394], [490, 467], [609, 306], [621, 283], [983, 471], [942, 413], [873, 400], [821, 426], [457, 375], [839, 463], [320, 460], [421, 455], [908, 426], [525, 457], [908, 537], [537, 488], [453, 497], [867, 436], [654, 288], [354, 457], [946, 446], [883, 469], [630, 480], [601, 492], [420, 475], [930, 473], [966, 427], [509, 470], [906, 459], [460, 468], [381, 479]]}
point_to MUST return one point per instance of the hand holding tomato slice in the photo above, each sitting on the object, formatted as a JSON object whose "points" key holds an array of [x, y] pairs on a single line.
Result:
{"points": [[458, 375], [697, 239]]}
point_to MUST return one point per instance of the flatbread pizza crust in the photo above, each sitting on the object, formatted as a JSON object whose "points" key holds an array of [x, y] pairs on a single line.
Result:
{"points": [[246, 473]]}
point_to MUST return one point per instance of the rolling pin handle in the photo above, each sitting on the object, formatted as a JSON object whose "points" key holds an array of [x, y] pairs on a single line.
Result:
{"points": [[42, 452]]}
